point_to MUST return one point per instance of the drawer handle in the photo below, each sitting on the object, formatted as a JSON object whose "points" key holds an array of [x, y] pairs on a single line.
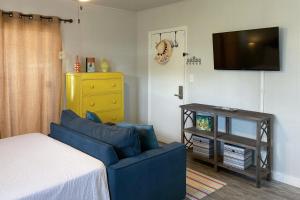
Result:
{"points": [[113, 85], [92, 86], [92, 104], [114, 101]]}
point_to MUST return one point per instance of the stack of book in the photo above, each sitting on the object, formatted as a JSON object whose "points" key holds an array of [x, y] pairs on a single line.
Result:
{"points": [[203, 146], [237, 157]]}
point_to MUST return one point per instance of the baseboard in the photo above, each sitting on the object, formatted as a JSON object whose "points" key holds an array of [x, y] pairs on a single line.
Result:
{"points": [[290, 180]]}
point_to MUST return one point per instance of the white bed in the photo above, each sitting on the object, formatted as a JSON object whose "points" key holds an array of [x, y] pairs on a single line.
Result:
{"points": [[36, 167]]}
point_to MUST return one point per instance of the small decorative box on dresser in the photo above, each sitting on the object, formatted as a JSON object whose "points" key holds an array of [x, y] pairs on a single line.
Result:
{"points": [[102, 93]]}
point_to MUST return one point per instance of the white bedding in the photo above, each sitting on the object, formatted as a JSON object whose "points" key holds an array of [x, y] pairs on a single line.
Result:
{"points": [[36, 167]]}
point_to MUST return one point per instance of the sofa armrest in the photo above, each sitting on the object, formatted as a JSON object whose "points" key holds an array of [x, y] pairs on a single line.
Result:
{"points": [[155, 174], [88, 145]]}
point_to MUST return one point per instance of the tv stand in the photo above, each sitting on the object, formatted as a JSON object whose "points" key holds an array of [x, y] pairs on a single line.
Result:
{"points": [[264, 124]]}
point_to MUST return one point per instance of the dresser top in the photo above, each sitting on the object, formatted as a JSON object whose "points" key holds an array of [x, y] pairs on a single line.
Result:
{"points": [[95, 75], [92, 73]]}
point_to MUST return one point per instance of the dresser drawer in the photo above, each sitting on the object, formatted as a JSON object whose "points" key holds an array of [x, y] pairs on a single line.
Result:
{"points": [[111, 116], [102, 102], [101, 85]]}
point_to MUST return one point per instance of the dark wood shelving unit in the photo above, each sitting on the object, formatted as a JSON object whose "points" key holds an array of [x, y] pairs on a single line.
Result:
{"points": [[195, 131], [240, 141], [264, 122], [249, 172], [199, 157]]}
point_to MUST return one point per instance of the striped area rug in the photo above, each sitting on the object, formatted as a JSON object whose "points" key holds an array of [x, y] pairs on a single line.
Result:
{"points": [[199, 185]]}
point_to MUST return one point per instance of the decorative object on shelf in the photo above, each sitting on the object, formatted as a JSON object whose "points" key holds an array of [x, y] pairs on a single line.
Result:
{"points": [[164, 52], [77, 65], [90, 65], [104, 65], [204, 122]]}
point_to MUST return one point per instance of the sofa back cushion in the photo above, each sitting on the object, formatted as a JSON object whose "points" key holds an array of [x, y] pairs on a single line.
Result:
{"points": [[124, 140], [95, 148], [146, 134]]}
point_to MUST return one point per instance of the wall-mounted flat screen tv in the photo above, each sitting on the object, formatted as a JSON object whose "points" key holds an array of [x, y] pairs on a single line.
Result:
{"points": [[256, 49]]}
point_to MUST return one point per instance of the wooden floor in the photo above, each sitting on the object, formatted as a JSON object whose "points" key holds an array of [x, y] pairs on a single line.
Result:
{"points": [[239, 188]]}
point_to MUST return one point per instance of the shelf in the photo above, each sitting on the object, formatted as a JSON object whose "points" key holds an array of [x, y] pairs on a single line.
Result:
{"points": [[239, 141], [249, 172], [195, 131], [264, 126], [202, 158], [239, 113]]}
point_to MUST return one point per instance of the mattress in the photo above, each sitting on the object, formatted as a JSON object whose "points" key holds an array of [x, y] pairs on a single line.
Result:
{"points": [[35, 167]]}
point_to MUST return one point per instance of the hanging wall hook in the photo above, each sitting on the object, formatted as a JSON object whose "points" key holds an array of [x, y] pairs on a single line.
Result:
{"points": [[193, 60], [80, 8], [175, 41], [184, 54]]}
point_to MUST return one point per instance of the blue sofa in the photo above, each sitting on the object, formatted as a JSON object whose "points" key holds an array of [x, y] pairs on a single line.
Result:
{"points": [[155, 174]]}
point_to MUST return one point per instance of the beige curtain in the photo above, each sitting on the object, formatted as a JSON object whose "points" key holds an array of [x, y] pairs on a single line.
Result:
{"points": [[30, 74]]}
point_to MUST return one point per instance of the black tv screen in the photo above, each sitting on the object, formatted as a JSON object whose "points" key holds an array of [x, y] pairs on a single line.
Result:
{"points": [[256, 49]]}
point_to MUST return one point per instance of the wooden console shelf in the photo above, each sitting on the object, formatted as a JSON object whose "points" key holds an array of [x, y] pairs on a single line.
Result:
{"points": [[240, 141], [264, 124], [194, 131]]}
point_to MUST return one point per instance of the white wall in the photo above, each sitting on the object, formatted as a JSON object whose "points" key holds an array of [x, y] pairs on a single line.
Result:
{"points": [[103, 33], [237, 88]]}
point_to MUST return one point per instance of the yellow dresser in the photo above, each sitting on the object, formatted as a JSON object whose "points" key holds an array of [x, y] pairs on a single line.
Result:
{"points": [[102, 93]]}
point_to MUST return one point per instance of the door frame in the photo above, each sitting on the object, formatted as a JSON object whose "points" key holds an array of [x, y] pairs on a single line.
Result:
{"points": [[185, 84]]}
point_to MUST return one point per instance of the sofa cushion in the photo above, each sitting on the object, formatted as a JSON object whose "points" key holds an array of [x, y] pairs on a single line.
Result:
{"points": [[146, 134], [124, 140], [95, 148], [93, 117], [157, 174]]}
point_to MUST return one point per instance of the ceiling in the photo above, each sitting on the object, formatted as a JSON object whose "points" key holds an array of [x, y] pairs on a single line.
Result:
{"points": [[134, 5]]}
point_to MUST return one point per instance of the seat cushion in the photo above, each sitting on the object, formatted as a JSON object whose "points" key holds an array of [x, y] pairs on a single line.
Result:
{"points": [[125, 140], [146, 134], [93, 117]]}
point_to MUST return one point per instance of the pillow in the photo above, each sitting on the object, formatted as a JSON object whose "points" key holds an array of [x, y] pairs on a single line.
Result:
{"points": [[125, 140], [146, 134], [93, 117]]}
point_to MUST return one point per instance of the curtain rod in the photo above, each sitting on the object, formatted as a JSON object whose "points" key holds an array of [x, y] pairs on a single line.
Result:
{"points": [[10, 13]]}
